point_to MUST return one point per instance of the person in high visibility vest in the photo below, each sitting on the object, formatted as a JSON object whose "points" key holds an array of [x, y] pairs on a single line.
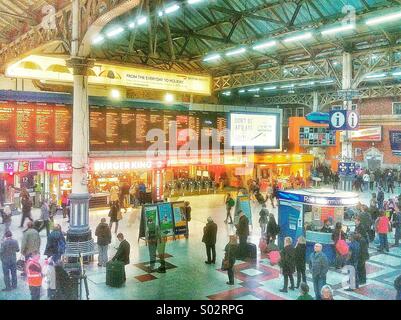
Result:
{"points": [[34, 276]]}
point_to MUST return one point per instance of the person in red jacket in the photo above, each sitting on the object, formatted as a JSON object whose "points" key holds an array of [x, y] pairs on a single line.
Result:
{"points": [[34, 276], [382, 228]]}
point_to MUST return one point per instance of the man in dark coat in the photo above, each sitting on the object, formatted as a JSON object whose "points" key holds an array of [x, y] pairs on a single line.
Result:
{"points": [[243, 233], [209, 238], [123, 250], [103, 235], [287, 264], [55, 246], [26, 203]]}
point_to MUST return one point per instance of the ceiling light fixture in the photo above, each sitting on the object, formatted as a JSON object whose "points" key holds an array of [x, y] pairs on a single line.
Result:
{"points": [[235, 52], [338, 29], [114, 32], [265, 45], [383, 19], [172, 9], [376, 76], [98, 39], [212, 57], [303, 36]]}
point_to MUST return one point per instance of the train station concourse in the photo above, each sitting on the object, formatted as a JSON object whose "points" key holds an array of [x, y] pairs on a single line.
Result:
{"points": [[200, 150]]}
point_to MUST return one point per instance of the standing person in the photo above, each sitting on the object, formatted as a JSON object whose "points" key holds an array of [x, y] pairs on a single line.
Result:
{"points": [[272, 229], [50, 275], [2, 192], [209, 239], [55, 246], [115, 215], [187, 211], [263, 219], [64, 203], [364, 256], [8, 255], [382, 228], [287, 264], [390, 182], [300, 260], [34, 276], [371, 180], [45, 216], [318, 266], [366, 181], [366, 222], [274, 192], [243, 233], [142, 193], [30, 242], [359, 228], [397, 226], [231, 250], [336, 180], [230, 203], [304, 291], [380, 198], [354, 257], [26, 203], [103, 235], [337, 235], [125, 196], [123, 251], [7, 217]]}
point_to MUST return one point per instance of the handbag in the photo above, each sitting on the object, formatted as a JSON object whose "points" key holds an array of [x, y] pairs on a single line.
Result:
{"points": [[342, 246], [225, 264], [21, 264]]}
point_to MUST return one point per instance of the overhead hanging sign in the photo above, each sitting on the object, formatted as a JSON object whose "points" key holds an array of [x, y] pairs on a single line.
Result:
{"points": [[55, 69], [318, 117], [343, 120]]}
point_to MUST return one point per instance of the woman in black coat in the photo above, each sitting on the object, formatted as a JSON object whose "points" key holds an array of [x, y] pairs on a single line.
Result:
{"points": [[114, 215], [300, 262], [272, 229], [287, 263]]}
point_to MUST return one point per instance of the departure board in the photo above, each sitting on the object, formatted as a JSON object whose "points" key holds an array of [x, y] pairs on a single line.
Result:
{"points": [[194, 126], [113, 124], [169, 119], [182, 129], [97, 128], [127, 131], [221, 124], [142, 125], [62, 128], [25, 126], [44, 127], [7, 123], [156, 121]]}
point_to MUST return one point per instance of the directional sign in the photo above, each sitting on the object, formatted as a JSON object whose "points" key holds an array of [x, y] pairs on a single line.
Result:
{"points": [[338, 120], [318, 117]]}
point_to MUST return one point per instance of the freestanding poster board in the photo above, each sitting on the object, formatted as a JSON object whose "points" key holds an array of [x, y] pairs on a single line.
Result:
{"points": [[180, 219], [243, 203], [166, 219]]}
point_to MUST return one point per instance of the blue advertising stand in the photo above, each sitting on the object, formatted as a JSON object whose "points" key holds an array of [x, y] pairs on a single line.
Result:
{"points": [[243, 203], [290, 221]]}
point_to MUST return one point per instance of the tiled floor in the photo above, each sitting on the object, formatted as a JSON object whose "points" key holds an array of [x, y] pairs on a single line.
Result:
{"points": [[188, 277]]}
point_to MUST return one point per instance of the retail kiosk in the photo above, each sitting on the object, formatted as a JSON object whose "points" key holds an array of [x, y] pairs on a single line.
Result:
{"points": [[303, 212]]}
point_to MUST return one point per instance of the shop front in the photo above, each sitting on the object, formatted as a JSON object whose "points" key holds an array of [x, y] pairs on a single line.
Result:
{"points": [[58, 178]]}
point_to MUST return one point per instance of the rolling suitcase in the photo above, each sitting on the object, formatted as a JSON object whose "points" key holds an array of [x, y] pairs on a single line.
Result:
{"points": [[251, 250], [115, 273]]}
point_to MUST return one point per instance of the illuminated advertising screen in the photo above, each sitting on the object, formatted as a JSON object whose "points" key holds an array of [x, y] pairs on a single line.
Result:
{"points": [[261, 130], [367, 134]]}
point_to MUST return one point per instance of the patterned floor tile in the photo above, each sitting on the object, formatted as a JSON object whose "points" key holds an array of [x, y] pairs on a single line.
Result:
{"points": [[251, 272], [145, 277]]}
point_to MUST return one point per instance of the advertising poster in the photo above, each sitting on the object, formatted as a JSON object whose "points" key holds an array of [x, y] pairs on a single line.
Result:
{"points": [[150, 215], [166, 219], [290, 220], [180, 220], [395, 141], [243, 203]]}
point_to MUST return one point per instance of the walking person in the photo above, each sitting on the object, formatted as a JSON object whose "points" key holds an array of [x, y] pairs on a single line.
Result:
{"points": [[300, 260], [209, 239], [272, 229], [318, 266], [34, 276], [103, 235], [50, 278], [30, 242], [115, 215], [287, 264], [371, 180], [231, 250], [7, 218], [45, 216], [230, 203], [55, 246], [380, 198], [263, 220], [382, 228], [337, 235], [26, 203], [354, 258], [396, 222], [243, 233], [64, 203], [364, 256], [123, 251], [8, 255]]}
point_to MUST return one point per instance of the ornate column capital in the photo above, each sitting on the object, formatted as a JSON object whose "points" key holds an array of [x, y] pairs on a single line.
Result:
{"points": [[80, 65]]}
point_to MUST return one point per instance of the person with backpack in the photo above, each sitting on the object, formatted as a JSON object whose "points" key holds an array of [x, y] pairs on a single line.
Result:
{"points": [[230, 203], [55, 246], [340, 245], [382, 229], [318, 266], [263, 219], [396, 222], [287, 264], [103, 235]]}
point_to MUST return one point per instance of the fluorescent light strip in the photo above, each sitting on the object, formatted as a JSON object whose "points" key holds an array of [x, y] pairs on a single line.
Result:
{"points": [[338, 29], [303, 36], [212, 57], [375, 76], [98, 39], [287, 86], [311, 83], [383, 19], [326, 81], [396, 74], [115, 32], [172, 9], [241, 91], [265, 45], [269, 88], [254, 90], [235, 52], [194, 1], [141, 20], [132, 25]]}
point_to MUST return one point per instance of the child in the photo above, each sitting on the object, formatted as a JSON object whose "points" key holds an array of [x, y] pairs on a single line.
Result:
{"points": [[50, 273]]}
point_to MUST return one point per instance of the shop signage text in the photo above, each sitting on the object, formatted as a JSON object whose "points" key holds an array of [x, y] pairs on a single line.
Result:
{"points": [[121, 165]]}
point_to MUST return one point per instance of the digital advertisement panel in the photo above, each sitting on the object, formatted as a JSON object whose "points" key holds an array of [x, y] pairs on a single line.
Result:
{"points": [[150, 216], [166, 219], [260, 130], [180, 220], [243, 203]]}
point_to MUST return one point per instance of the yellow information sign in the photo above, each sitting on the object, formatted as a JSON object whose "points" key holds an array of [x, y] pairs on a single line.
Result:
{"points": [[55, 69]]}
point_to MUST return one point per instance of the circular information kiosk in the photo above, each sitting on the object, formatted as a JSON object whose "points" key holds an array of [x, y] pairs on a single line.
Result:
{"points": [[303, 213]]}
